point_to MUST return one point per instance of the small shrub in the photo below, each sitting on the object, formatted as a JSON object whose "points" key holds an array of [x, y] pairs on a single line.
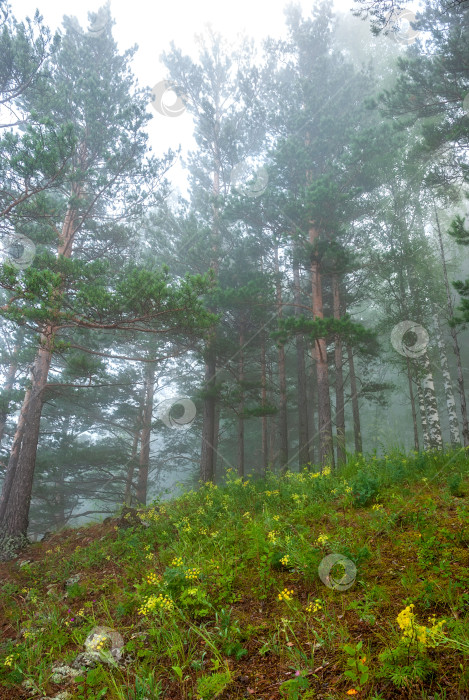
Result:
{"points": [[209, 687], [365, 488]]}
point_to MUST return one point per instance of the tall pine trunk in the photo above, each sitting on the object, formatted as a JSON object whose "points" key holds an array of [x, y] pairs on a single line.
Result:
{"points": [[207, 458], [326, 452], [264, 430], [17, 487], [209, 417], [131, 469], [241, 405], [144, 460], [412, 405], [134, 457], [312, 404], [303, 438], [339, 377], [355, 407], [282, 381]]}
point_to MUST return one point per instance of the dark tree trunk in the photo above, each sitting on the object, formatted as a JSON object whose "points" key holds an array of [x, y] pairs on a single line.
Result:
{"points": [[303, 438], [144, 461], [326, 451], [282, 414], [412, 405], [355, 408], [207, 458], [209, 417], [17, 488], [265, 448], [312, 403], [131, 469], [273, 423], [339, 378], [241, 405], [133, 463]]}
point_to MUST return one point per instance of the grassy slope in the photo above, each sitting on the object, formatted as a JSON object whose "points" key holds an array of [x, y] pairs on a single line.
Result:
{"points": [[221, 557]]}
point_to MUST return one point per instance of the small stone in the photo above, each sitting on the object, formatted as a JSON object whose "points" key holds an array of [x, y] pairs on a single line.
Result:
{"points": [[25, 562], [113, 641], [87, 659], [62, 673], [72, 580]]}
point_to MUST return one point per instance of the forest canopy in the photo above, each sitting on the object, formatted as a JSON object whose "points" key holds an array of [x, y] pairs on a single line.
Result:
{"points": [[304, 300]]}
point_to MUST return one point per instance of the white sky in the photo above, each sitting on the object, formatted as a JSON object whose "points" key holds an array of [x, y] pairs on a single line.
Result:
{"points": [[152, 26]]}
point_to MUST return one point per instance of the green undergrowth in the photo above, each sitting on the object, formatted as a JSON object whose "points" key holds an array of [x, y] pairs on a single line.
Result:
{"points": [[229, 591]]}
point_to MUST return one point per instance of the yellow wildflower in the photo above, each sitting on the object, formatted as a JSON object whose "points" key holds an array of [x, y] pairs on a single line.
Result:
{"points": [[322, 539], [286, 594], [314, 606]]}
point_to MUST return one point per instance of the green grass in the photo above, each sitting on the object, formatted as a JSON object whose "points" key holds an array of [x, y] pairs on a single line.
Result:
{"points": [[217, 593]]}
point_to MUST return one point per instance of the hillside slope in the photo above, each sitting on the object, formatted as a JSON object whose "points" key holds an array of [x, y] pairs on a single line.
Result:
{"points": [[231, 592]]}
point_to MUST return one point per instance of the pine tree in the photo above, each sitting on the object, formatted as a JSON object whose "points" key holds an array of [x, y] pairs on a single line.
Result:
{"points": [[80, 286]]}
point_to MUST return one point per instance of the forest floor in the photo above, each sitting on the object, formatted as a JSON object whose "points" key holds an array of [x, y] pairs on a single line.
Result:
{"points": [[230, 591]]}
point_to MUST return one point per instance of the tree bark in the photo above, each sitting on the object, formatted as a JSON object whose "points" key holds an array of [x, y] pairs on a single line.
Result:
{"points": [[303, 438], [423, 416], [273, 423], [144, 460], [133, 455], [210, 424], [412, 405], [264, 431], [17, 488], [339, 377], [449, 395], [131, 469], [282, 414], [355, 407], [433, 418], [326, 451], [312, 403], [207, 458], [241, 405]]}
